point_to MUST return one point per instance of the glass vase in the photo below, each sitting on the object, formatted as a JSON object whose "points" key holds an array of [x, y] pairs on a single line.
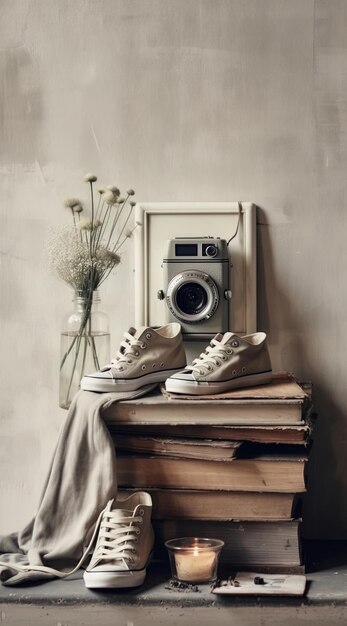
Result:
{"points": [[84, 344]]}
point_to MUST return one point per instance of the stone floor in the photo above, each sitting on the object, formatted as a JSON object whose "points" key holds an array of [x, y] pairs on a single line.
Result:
{"points": [[69, 603]]}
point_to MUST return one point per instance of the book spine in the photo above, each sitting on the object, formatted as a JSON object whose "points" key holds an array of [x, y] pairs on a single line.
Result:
{"points": [[273, 544], [295, 434], [235, 475], [240, 413], [221, 505]]}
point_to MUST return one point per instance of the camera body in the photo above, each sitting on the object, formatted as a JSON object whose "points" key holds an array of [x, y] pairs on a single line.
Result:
{"points": [[197, 285]]}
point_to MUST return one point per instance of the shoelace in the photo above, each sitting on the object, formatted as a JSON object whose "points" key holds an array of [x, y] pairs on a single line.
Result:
{"points": [[213, 355], [118, 536], [50, 570], [130, 350]]}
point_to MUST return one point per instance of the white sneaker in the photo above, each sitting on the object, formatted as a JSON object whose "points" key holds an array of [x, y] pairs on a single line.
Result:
{"points": [[125, 541], [146, 356], [124, 545], [229, 362]]}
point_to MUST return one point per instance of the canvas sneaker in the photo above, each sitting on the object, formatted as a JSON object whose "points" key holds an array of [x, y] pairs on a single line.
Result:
{"points": [[229, 362], [124, 544], [146, 356], [123, 538]]}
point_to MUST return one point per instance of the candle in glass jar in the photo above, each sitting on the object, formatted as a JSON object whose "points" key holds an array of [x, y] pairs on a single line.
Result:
{"points": [[194, 559], [195, 566]]}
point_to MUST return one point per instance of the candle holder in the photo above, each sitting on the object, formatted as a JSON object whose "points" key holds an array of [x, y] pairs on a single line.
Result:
{"points": [[194, 559]]}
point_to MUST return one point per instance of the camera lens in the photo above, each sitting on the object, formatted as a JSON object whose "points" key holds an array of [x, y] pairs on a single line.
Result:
{"points": [[191, 298]]}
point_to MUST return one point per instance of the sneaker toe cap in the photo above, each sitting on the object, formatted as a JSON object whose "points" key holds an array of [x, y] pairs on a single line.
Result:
{"points": [[184, 375], [101, 374]]}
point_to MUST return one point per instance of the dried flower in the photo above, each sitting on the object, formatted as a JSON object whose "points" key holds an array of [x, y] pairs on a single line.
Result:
{"points": [[109, 256], [86, 225], [89, 225], [114, 190], [113, 257], [138, 223], [70, 258], [70, 203], [90, 178], [109, 198], [83, 256]]}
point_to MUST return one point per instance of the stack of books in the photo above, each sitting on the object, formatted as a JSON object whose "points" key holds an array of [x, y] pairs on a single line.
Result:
{"points": [[230, 467]]}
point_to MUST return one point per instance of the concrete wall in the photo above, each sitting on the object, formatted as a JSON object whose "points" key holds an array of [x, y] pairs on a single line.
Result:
{"points": [[183, 100]]}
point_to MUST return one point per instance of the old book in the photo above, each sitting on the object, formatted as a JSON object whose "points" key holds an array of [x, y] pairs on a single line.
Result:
{"points": [[294, 434], [221, 505], [220, 450], [268, 473], [280, 402], [256, 544], [282, 386]]}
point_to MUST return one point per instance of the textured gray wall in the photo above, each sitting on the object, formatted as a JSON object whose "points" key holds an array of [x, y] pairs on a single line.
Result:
{"points": [[184, 100]]}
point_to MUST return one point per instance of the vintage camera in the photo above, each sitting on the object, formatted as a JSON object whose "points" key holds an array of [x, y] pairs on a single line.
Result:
{"points": [[197, 285]]}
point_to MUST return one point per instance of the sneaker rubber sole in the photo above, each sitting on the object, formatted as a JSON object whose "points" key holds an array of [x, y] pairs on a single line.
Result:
{"points": [[195, 388], [114, 579], [109, 385]]}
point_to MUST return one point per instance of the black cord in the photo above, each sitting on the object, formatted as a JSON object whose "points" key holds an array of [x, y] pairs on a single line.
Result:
{"points": [[238, 224]]}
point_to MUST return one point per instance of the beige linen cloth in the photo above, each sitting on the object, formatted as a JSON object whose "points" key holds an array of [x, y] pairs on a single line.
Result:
{"points": [[81, 480]]}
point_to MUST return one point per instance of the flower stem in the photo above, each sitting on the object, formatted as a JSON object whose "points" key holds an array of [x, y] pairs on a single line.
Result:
{"points": [[123, 229], [78, 338], [117, 217], [84, 353], [68, 352], [92, 230]]}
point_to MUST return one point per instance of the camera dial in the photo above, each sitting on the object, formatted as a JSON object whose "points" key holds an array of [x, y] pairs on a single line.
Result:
{"points": [[211, 251]]}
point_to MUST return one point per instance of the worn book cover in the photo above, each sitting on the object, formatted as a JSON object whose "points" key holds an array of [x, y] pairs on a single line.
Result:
{"points": [[266, 473], [299, 433], [221, 505], [278, 403], [219, 450]]}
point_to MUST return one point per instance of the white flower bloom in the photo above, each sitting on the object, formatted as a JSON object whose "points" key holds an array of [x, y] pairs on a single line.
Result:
{"points": [[130, 192], [78, 209], [132, 203], [90, 178], [114, 190], [128, 233], [69, 256], [109, 198], [101, 190], [70, 203], [89, 225]]}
